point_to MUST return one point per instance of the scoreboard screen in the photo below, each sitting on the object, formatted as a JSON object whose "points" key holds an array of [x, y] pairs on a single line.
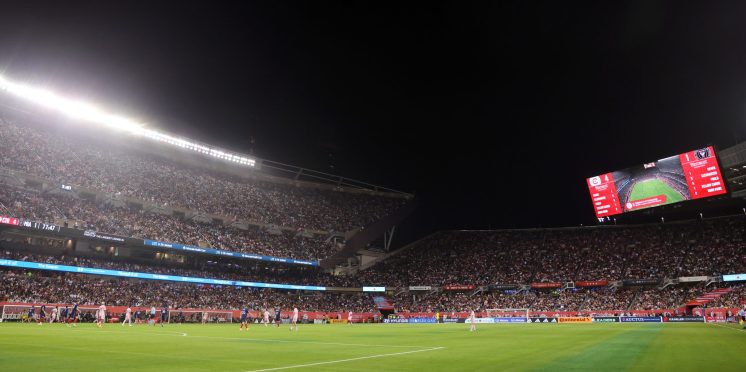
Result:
{"points": [[688, 176]]}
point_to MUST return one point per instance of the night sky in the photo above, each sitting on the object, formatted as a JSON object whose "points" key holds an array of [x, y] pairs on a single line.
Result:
{"points": [[493, 113]]}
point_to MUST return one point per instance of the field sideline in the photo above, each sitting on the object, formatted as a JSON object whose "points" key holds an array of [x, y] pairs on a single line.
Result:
{"points": [[382, 347]]}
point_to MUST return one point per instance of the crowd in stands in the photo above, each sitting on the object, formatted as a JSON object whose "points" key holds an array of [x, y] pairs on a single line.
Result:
{"points": [[585, 300], [86, 214], [656, 251], [285, 274], [582, 300], [478, 258], [38, 287], [69, 158], [733, 299]]}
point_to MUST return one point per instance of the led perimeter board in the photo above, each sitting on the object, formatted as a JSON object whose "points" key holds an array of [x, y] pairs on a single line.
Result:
{"points": [[688, 176]]}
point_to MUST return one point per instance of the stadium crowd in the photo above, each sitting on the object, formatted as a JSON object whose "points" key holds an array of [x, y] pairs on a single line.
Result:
{"points": [[55, 155], [103, 218], [585, 300], [37, 287], [282, 274], [657, 251]]}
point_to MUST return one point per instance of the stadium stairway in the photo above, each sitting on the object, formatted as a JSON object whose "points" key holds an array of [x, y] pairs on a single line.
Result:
{"points": [[708, 297]]}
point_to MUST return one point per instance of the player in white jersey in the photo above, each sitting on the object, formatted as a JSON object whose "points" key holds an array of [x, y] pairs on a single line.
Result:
{"points": [[349, 317], [128, 316], [265, 320], [53, 318], [294, 320], [101, 315], [472, 327]]}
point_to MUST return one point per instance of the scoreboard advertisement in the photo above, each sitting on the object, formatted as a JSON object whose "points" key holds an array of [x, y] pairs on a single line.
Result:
{"points": [[688, 176]]}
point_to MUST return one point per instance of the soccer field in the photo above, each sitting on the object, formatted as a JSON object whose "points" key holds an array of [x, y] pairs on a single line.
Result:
{"points": [[650, 188], [379, 347]]}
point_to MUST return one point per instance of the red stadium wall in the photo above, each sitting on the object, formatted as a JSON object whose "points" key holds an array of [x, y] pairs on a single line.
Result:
{"points": [[712, 314]]}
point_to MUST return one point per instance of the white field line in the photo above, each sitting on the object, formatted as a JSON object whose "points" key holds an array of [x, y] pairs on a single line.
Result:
{"points": [[345, 360]]}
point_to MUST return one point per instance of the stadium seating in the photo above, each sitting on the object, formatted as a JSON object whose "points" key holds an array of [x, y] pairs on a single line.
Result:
{"points": [[87, 214], [475, 260], [120, 171]]}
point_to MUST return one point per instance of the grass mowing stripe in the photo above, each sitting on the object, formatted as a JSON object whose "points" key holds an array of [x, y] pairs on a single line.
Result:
{"points": [[261, 340], [616, 353], [725, 326]]}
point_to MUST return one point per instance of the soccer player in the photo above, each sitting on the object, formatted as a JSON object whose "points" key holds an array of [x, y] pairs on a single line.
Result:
{"points": [[152, 315], [53, 318], [277, 317], [265, 320], [128, 316], [473, 326], [437, 317], [63, 318], [31, 314], [349, 317], [42, 314], [73, 315], [294, 320], [244, 319], [101, 315], [164, 314], [742, 315]]}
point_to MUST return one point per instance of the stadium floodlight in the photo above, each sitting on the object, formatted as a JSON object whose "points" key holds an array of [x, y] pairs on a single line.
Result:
{"points": [[72, 108], [88, 112]]}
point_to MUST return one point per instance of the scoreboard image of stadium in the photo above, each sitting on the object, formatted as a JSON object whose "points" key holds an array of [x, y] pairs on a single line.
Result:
{"points": [[688, 176]]}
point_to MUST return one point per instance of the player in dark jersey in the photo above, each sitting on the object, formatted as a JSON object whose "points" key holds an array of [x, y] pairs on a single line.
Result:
{"points": [[30, 316], [164, 315], [244, 319], [277, 317], [63, 316], [42, 314], [73, 315]]}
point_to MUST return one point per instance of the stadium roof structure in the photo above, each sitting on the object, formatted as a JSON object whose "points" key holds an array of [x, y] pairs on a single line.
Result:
{"points": [[87, 112], [733, 160]]}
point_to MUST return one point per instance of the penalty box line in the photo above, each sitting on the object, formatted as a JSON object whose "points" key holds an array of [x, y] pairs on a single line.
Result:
{"points": [[346, 360]]}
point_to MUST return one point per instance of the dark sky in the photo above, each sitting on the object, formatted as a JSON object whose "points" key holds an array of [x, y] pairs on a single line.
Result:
{"points": [[492, 112]]}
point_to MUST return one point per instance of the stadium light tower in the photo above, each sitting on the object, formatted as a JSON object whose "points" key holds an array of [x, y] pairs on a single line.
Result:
{"points": [[88, 112]]}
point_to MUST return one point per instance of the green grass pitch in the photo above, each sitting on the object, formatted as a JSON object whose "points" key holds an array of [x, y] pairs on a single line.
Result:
{"points": [[374, 347], [650, 188]]}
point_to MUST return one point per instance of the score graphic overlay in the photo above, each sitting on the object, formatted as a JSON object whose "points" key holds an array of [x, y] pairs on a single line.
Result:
{"points": [[688, 176]]}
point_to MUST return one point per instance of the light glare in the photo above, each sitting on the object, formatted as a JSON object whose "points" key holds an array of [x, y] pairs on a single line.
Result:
{"points": [[85, 111]]}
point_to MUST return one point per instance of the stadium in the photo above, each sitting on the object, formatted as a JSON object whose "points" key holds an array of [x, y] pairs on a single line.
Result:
{"points": [[126, 244]]}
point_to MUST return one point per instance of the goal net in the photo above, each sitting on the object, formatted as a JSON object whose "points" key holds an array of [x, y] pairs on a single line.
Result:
{"points": [[199, 316], [507, 313], [20, 313], [15, 313]]}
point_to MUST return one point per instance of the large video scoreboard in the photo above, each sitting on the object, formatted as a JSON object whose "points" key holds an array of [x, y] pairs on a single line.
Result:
{"points": [[688, 176]]}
